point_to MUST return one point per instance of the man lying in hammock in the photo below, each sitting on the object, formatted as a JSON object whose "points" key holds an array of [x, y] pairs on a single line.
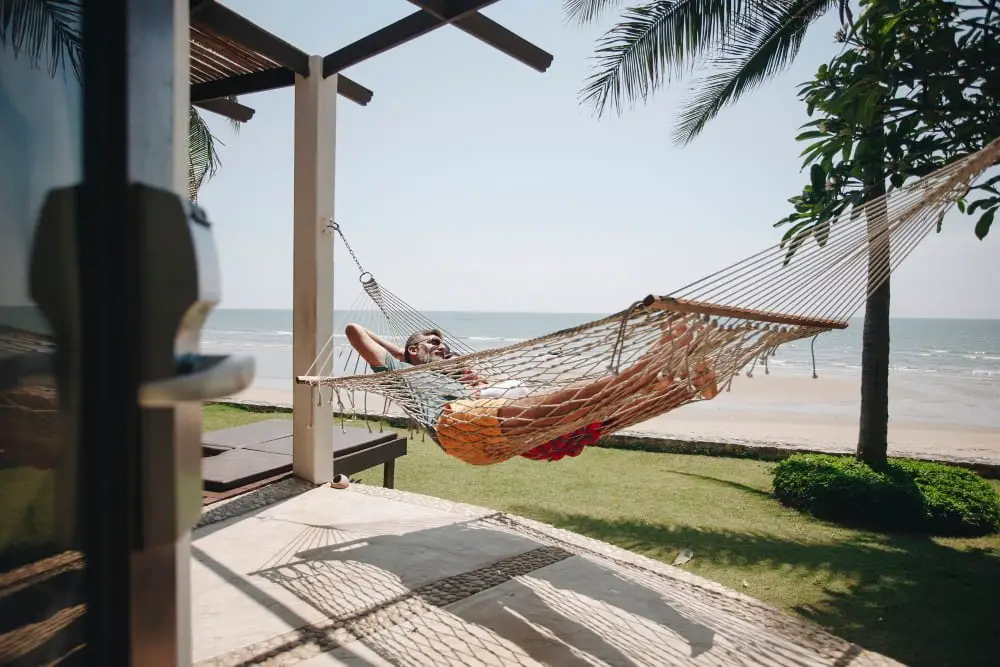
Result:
{"points": [[481, 430]]}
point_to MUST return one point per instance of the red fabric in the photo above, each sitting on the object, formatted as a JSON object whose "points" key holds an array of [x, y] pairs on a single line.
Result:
{"points": [[570, 444]]}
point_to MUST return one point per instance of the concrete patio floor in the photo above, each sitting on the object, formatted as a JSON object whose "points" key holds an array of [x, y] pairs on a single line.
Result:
{"points": [[369, 576]]}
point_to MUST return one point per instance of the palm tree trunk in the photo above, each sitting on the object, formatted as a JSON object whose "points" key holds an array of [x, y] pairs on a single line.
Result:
{"points": [[873, 435]]}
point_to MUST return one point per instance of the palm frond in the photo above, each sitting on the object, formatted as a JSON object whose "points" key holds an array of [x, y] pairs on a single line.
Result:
{"points": [[656, 41], [40, 28], [203, 160], [587, 11], [754, 53]]}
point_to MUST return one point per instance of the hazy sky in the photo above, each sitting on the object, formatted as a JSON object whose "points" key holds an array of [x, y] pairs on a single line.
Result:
{"points": [[472, 182]]}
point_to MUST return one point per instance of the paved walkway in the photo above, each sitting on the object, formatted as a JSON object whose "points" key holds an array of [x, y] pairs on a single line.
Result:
{"points": [[370, 576]]}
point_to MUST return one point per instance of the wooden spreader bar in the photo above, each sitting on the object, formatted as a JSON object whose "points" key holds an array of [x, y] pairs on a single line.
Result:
{"points": [[703, 308]]}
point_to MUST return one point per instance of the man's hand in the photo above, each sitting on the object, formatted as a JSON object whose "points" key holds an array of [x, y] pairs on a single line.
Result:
{"points": [[371, 348], [470, 377]]}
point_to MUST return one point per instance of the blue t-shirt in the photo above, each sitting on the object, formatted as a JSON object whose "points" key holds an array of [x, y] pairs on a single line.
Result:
{"points": [[430, 390]]}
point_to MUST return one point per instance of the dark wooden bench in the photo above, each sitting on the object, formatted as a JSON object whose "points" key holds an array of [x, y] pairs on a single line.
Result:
{"points": [[241, 456]]}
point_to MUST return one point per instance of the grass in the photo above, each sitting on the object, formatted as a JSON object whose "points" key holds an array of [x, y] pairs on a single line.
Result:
{"points": [[921, 601]]}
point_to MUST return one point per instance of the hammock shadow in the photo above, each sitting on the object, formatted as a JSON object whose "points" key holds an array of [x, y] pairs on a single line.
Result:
{"points": [[564, 610], [917, 600], [623, 624]]}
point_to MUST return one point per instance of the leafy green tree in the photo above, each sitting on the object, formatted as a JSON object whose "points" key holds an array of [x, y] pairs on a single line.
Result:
{"points": [[740, 43], [915, 88], [48, 33]]}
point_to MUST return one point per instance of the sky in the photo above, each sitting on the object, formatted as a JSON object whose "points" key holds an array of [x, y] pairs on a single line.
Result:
{"points": [[472, 182]]}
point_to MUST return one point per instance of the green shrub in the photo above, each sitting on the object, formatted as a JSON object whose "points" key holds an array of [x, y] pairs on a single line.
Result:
{"points": [[908, 495]]}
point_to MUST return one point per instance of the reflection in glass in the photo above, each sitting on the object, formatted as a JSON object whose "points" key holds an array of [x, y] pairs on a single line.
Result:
{"points": [[41, 602]]}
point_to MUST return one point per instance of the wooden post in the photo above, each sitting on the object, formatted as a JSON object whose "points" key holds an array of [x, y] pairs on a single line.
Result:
{"points": [[312, 283]]}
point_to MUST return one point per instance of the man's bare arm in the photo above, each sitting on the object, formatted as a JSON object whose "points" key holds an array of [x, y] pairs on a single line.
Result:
{"points": [[371, 348]]}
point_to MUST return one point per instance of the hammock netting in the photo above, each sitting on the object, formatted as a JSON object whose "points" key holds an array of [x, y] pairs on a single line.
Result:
{"points": [[551, 395]]}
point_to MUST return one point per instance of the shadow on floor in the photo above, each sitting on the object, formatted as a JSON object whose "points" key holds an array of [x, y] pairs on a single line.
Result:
{"points": [[570, 612], [913, 599]]}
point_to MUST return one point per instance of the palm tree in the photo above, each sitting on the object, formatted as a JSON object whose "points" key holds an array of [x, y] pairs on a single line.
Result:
{"points": [[47, 32], [741, 43]]}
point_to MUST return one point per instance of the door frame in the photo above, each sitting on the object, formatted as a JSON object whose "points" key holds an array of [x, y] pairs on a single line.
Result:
{"points": [[131, 75]]}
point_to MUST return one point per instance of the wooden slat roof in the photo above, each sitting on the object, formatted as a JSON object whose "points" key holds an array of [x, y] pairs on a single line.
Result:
{"points": [[215, 57], [232, 56]]}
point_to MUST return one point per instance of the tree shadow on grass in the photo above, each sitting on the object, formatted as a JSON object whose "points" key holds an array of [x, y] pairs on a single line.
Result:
{"points": [[909, 598], [725, 482]]}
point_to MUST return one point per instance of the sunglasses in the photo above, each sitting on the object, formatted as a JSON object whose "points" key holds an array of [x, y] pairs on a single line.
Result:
{"points": [[433, 342]]}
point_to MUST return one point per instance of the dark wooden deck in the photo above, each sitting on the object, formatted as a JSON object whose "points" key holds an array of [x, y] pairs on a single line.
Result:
{"points": [[242, 458]]}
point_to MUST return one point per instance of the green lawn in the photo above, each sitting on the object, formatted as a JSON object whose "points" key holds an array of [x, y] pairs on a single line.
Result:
{"points": [[921, 601]]}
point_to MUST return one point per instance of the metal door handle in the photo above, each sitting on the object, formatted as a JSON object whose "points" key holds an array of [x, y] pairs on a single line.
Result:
{"points": [[199, 378]]}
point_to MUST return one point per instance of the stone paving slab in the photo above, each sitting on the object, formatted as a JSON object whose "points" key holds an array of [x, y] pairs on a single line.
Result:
{"points": [[372, 576], [321, 554]]}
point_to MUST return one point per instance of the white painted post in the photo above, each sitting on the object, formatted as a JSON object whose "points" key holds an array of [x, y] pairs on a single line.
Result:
{"points": [[312, 282]]}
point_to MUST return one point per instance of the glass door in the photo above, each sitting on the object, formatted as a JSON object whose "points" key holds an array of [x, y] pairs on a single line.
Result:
{"points": [[106, 275], [43, 569]]}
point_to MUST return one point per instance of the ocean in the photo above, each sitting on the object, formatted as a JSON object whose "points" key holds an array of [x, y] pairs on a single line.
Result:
{"points": [[943, 370]]}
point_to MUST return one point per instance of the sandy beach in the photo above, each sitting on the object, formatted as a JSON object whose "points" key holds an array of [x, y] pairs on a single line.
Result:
{"points": [[800, 411]]}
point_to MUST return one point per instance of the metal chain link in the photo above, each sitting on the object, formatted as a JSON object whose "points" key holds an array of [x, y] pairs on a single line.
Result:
{"points": [[336, 227]]}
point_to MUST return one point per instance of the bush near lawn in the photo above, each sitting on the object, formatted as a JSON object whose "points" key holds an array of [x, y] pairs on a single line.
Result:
{"points": [[908, 495]]}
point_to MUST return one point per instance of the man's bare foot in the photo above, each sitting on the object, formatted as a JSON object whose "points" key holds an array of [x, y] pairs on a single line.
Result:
{"points": [[704, 380], [679, 339]]}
